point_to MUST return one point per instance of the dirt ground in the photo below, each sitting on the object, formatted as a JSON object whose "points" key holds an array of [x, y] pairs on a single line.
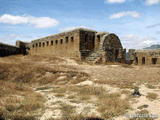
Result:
{"points": [[52, 88]]}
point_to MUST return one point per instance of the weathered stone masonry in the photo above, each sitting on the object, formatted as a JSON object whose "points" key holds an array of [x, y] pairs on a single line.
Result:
{"points": [[84, 44], [81, 43], [20, 48], [144, 57]]}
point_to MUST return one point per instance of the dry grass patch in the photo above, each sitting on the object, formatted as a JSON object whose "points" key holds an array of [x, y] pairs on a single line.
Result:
{"points": [[43, 58], [71, 97], [123, 84], [31, 104], [60, 95], [127, 92], [89, 90], [28, 72], [150, 86], [142, 115], [72, 77], [152, 96], [127, 66], [110, 105], [67, 110], [17, 99], [75, 101], [85, 92], [59, 89]]}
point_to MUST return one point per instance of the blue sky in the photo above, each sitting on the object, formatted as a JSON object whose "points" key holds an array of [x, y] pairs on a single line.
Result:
{"points": [[136, 22]]}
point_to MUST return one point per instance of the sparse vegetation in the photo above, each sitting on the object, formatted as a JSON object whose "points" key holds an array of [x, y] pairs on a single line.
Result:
{"points": [[22, 81], [60, 95], [150, 86], [67, 111], [152, 96], [110, 105], [127, 92], [142, 115]]}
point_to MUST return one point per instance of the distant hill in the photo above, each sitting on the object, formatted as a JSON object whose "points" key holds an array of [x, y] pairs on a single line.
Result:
{"points": [[156, 46]]}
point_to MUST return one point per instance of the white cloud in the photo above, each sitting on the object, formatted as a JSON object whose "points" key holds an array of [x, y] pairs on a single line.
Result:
{"points": [[126, 13], [11, 38], [151, 2], [38, 22], [132, 41], [71, 28], [114, 1], [148, 42]]}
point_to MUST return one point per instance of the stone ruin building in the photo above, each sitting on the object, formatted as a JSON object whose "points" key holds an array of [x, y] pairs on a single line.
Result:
{"points": [[84, 44], [20, 48], [144, 57]]}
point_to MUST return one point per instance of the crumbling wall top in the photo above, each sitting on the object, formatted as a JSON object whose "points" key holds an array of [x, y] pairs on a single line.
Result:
{"points": [[147, 51], [67, 33], [102, 33]]}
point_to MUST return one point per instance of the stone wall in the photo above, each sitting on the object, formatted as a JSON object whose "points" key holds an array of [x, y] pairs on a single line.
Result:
{"points": [[87, 43], [64, 44], [110, 50], [145, 57], [99, 38], [6, 50], [74, 44], [20, 48], [79, 43]]}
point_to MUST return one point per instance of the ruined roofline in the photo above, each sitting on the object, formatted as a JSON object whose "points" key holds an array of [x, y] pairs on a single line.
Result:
{"points": [[148, 50], [23, 42], [102, 33], [8, 45], [66, 32]]}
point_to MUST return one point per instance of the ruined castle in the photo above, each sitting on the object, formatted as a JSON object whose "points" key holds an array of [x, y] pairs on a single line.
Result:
{"points": [[81, 43]]}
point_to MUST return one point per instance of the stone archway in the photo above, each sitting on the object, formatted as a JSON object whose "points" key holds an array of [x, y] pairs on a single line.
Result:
{"points": [[112, 48], [110, 40]]}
